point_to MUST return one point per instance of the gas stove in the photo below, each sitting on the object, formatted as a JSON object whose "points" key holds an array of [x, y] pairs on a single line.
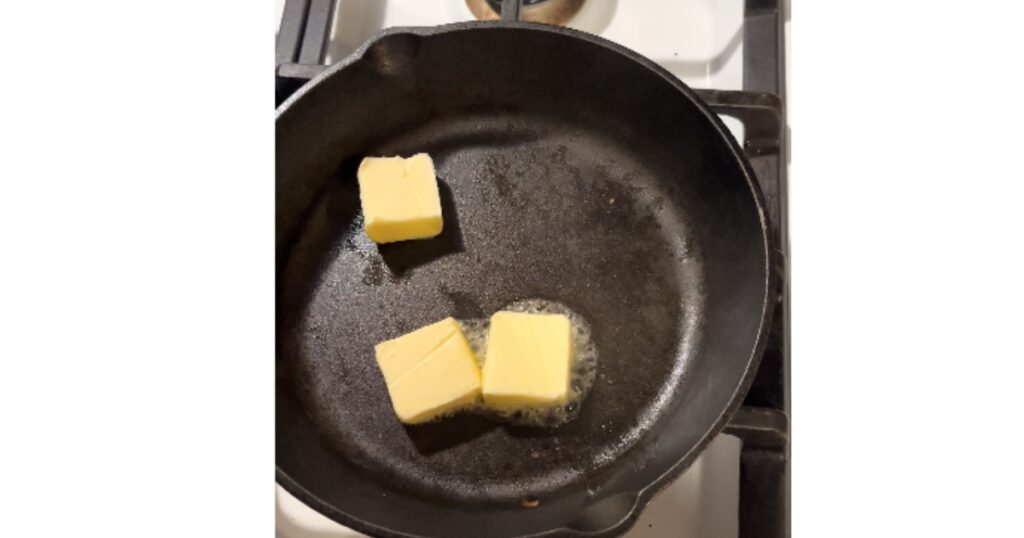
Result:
{"points": [[732, 52]]}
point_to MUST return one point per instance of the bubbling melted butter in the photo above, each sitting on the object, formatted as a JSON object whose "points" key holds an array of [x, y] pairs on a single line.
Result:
{"points": [[583, 368]]}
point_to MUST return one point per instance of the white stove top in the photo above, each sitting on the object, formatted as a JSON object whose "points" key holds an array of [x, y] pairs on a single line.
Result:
{"points": [[701, 42]]}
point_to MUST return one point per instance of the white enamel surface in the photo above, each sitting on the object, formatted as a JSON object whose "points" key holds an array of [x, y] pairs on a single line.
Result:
{"points": [[701, 42]]}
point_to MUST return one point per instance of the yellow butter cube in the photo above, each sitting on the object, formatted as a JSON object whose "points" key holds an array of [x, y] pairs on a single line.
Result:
{"points": [[429, 372], [529, 358], [400, 198]]}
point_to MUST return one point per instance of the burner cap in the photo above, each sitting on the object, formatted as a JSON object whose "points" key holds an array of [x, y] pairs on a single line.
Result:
{"points": [[555, 12]]}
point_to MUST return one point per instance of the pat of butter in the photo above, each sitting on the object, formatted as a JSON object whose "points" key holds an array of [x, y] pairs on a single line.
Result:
{"points": [[400, 198], [529, 357], [429, 372]]}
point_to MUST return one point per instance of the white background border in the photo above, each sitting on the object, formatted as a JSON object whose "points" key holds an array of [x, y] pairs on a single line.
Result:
{"points": [[136, 294]]}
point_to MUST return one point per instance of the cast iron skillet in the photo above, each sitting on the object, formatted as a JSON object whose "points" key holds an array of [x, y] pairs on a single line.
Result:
{"points": [[571, 169]]}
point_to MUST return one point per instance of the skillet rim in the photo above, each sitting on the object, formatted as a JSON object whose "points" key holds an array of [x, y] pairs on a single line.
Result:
{"points": [[643, 496]]}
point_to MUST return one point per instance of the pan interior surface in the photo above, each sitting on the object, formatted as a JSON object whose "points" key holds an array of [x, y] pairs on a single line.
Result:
{"points": [[561, 180]]}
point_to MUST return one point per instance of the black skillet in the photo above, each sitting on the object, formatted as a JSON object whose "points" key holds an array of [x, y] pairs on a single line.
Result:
{"points": [[571, 169]]}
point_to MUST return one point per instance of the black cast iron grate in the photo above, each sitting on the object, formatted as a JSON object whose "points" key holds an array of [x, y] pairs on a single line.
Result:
{"points": [[763, 422]]}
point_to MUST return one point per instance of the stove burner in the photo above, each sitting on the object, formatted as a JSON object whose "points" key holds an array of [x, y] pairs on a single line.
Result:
{"points": [[554, 12]]}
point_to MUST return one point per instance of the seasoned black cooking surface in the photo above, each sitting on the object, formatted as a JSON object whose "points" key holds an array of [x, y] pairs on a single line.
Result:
{"points": [[532, 210]]}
